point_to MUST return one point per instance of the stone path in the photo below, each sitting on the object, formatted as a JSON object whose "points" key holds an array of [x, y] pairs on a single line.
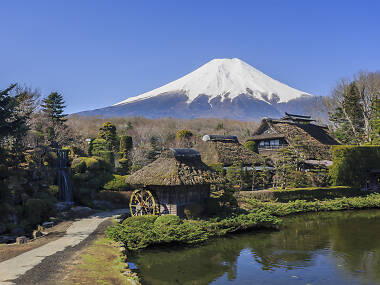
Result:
{"points": [[13, 268]]}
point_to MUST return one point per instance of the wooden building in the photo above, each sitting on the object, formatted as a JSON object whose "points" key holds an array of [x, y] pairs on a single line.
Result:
{"points": [[170, 183], [314, 139], [225, 150]]}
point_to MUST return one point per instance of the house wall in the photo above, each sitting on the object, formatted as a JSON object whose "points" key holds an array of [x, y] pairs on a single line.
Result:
{"points": [[173, 200]]}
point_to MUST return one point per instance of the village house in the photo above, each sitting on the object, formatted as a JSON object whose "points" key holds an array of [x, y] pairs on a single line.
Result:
{"points": [[225, 150], [178, 178], [312, 139]]}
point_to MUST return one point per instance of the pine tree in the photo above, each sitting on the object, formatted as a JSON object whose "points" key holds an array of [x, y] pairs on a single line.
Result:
{"points": [[108, 133], [13, 125], [53, 106]]}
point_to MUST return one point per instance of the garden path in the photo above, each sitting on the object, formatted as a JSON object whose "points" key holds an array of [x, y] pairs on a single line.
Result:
{"points": [[13, 268]]}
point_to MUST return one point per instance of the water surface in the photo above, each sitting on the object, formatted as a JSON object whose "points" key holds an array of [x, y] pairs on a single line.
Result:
{"points": [[319, 248]]}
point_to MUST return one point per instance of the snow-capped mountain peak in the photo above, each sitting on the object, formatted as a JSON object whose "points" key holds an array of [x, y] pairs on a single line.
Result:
{"points": [[226, 78]]}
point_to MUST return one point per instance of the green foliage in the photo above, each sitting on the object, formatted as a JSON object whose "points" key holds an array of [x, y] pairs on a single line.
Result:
{"points": [[218, 167], [13, 123], [310, 193], [184, 134], [126, 145], [108, 133], [53, 106], [37, 211], [301, 206], [53, 190], [124, 166], [108, 157], [351, 164], [142, 231], [98, 145], [238, 176], [117, 183], [78, 165], [252, 146]]}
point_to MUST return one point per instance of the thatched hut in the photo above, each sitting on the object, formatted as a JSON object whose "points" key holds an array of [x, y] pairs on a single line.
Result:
{"points": [[170, 183], [225, 150], [313, 139]]}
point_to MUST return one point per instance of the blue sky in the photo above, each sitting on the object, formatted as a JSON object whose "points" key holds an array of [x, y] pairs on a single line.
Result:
{"points": [[97, 53]]}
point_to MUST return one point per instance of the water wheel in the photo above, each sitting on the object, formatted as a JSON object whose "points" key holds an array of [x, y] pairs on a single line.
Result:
{"points": [[143, 203]]}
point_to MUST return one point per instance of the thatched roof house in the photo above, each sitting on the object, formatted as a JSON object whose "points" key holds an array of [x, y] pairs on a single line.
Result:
{"points": [[177, 178], [225, 150], [314, 139]]}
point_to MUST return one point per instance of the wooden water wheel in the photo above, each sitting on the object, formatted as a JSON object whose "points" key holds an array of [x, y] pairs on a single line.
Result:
{"points": [[143, 203]]}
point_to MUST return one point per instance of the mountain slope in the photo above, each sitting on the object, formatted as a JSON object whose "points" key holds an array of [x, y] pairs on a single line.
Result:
{"points": [[224, 88]]}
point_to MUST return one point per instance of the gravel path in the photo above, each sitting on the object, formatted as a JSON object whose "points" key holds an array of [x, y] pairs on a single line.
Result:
{"points": [[14, 268]]}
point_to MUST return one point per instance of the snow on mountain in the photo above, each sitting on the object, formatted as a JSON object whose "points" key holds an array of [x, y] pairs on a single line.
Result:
{"points": [[227, 78]]}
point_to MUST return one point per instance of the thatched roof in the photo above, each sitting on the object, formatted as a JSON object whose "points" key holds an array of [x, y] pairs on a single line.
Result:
{"points": [[315, 138], [265, 137], [226, 152], [175, 167]]}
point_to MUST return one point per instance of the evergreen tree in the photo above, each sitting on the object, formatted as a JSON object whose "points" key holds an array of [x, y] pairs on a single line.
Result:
{"points": [[108, 133], [53, 107], [13, 125]]}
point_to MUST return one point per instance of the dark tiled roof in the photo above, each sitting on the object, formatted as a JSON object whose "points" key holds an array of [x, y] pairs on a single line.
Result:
{"points": [[220, 138]]}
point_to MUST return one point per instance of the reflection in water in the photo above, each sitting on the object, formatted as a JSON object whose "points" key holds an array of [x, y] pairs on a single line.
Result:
{"points": [[320, 248]]}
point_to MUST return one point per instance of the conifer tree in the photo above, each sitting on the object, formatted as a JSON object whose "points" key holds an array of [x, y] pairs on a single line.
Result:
{"points": [[53, 106]]}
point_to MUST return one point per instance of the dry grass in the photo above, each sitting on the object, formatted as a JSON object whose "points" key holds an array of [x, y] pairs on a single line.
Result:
{"points": [[100, 263]]}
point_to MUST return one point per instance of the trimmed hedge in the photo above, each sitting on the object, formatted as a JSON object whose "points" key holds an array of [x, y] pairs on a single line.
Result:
{"points": [[142, 231], [371, 201], [351, 164], [310, 193], [117, 183]]}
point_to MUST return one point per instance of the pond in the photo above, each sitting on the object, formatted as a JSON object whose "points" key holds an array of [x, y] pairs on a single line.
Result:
{"points": [[319, 248]]}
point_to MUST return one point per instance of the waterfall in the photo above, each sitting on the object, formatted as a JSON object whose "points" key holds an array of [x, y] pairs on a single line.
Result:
{"points": [[64, 193]]}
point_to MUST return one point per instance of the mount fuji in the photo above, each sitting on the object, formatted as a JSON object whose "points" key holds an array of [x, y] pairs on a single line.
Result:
{"points": [[223, 88]]}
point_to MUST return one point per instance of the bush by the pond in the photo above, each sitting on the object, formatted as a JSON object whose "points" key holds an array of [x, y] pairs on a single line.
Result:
{"points": [[116, 184], [353, 163], [193, 211], [300, 206], [141, 231], [292, 194]]}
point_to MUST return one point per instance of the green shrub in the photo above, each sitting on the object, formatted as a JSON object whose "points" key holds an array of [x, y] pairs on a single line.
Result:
{"points": [[291, 194], [126, 145], [108, 157], [78, 165], [98, 145], [193, 211], [142, 231], [53, 190], [184, 134], [351, 164], [282, 209], [117, 183], [252, 146], [37, 211]]}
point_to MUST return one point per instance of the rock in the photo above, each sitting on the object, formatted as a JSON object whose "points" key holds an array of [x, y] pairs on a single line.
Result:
{"points": [[79, 210], [7, 239], [21, 240], [63, 206], [103, 204], [48, 224], [18, 231], [37, 234]]}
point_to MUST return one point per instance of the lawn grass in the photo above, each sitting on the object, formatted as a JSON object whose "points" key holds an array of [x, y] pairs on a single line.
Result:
{"points": [[100, 263]]}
